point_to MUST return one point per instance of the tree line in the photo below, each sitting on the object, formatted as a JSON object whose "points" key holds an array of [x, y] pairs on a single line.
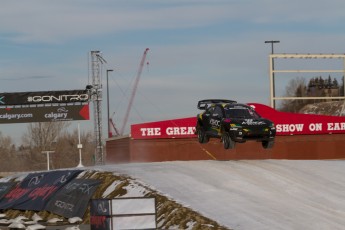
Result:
{"points": [[46, 136], [315, 87]]}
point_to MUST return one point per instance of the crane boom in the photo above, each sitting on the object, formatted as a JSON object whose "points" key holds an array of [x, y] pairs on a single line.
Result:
{"points": [[116, 132], [141, 66]]}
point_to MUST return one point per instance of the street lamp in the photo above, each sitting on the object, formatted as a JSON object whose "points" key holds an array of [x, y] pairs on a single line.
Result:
{"points": [[273, 83], [47, 152], [108, 119], [79, 147], [272, 42]]}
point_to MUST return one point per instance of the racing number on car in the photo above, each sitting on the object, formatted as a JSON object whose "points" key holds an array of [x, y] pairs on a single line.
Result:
{"points": [[216, 118], [214, 123]]}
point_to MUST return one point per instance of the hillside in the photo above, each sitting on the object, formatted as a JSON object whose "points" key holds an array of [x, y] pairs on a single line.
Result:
{"points": [[332, 108], [241, 195], [170, 214]]}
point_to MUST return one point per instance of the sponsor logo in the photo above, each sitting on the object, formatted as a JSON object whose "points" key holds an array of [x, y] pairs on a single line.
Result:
{"points": [[62, 110], [82, 187], [61, 114], [62, 179], [64, 205], [1, 100], [59, 98], [35, 180], [17, 116], [252, 122], [42, 192], [102, 207]]}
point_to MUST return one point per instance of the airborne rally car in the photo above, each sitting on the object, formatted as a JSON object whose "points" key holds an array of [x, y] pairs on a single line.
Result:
{"points": [[232, 122]]}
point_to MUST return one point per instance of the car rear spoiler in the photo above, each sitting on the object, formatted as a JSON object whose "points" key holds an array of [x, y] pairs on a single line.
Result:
{"points": [[203, 104]]}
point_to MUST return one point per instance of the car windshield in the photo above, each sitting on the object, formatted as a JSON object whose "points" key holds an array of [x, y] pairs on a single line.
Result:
{"points": [[240, 113]]}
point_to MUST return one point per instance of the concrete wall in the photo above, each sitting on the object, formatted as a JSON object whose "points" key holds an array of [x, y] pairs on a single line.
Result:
{"points": [[311, 147]]}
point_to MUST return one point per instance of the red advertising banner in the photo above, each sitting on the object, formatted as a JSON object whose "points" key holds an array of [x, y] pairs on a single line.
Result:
{"points": [[296, 123], [285, 123], [177, 128]]}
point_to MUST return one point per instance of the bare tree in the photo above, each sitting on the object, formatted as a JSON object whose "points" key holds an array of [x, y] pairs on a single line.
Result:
{"points": [[40, 137], [9, 158], [67, 154], [296, 88], [5, 146], [42, 134]]}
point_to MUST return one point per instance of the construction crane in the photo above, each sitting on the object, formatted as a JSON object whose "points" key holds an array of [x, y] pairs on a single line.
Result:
{"points": [[141, 66], [114, 132]]}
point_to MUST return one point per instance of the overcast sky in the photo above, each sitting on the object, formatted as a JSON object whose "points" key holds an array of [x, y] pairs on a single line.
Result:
{"points": [[198, 49]]}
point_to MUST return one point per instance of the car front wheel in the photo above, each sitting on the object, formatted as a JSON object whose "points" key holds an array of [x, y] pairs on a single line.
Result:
{"points": [[202, 137], [228, 143], [267, 144]]}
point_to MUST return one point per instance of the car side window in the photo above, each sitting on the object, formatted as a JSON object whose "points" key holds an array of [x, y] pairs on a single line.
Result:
{"points": [[209, 111], [254, 114]]}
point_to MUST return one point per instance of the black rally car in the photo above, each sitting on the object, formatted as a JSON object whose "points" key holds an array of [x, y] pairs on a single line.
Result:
{"points": [[232, 122]]}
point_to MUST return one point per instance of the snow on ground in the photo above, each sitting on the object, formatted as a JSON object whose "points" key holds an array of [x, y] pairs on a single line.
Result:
{"points": [[252, 194]]}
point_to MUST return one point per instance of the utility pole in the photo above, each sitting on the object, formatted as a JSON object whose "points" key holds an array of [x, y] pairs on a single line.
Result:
{"points": [[273, 81], [108, 118]]}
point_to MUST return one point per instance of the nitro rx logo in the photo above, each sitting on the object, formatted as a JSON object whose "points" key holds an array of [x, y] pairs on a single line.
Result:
{"points": [[59, 98]]}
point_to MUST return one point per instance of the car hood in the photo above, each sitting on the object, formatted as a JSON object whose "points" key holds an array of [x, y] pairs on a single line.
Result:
{"points": [[251, 122]]}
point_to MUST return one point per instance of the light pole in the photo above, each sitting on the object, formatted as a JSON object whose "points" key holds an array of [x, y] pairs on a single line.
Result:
{"points": [[108, 123], [47, 152], [79, 147], [273, 83]]}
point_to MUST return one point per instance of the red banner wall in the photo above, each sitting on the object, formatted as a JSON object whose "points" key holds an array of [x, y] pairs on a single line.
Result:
{"points": [[286, 124], [177, 128], [296, 123]]}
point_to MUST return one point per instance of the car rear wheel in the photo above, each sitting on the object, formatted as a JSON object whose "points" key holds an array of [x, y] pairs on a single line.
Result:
{"points": [[202, 137], [267, 144], [228, 143]]}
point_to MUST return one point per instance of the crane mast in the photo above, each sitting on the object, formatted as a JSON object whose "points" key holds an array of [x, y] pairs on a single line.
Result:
{"points": [[96, 95], [141, 66]]}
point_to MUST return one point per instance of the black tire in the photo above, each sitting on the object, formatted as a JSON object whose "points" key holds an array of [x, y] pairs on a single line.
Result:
{"points": [[228, 143], [267, 144], [202, 137]]}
